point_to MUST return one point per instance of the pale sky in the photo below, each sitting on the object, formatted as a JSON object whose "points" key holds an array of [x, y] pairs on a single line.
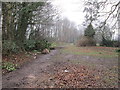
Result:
{"points": [[73, 10]]}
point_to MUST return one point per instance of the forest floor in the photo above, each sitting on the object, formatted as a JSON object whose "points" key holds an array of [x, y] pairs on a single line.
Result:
{"points": [[68, 67]]}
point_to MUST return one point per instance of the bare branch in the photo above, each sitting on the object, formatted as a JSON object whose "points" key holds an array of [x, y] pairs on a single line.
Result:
{"points": [[112, 11]]}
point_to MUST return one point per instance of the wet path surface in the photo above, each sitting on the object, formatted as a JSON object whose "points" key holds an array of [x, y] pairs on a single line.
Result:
{"points": [[39, 73], [29, 73]]}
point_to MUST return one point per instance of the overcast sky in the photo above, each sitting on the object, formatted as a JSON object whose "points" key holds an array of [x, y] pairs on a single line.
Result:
{"points": [[73, 10]]}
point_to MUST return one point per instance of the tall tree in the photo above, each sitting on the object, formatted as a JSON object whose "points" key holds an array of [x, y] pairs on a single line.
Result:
{"points": [[89, 31], [16, 18]]}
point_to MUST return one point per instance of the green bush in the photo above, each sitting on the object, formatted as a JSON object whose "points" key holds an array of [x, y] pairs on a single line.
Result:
{"points": [[9, 66], [110, 43], [29, 45], [38, 45], [9, 47], [42, 44], [116, 43], [118, 50]]}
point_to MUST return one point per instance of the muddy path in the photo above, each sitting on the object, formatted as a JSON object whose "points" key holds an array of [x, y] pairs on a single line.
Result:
{"points": [[40, 72], [29, 73]]}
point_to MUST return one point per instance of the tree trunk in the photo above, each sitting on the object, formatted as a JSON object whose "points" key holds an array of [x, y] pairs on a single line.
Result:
{"points": [[119, 23]]}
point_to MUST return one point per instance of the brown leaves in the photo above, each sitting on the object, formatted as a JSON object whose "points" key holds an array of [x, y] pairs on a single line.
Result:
{"points": [[77, 77]]}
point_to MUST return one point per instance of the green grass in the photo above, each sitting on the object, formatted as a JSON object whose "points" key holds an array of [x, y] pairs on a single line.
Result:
{"points": [[83, 62], [107, 52]]}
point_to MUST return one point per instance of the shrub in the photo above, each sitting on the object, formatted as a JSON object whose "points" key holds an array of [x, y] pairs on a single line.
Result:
{"points": [[9, 47], [29, 45], [86, 41], [116, 43], [110, 43], [42, 44], [39, 45], [9, 66], [118, 50]]}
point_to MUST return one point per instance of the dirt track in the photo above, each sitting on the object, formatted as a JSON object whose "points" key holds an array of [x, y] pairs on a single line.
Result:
{"points": [[29, 73], [35, 73]]}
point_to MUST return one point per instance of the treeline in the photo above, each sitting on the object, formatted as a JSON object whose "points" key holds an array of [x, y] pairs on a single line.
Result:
{"points": [[66, 31], [97, 31], [24, 25], [30, 26]]}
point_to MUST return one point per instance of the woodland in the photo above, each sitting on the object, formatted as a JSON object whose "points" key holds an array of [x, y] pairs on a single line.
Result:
{"points": [[41, 49]]}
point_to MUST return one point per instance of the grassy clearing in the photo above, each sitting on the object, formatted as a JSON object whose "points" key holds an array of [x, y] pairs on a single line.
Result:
{"points": [[107, 52]]}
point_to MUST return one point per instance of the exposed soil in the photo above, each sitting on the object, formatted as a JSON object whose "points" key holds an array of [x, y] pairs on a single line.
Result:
{"points": [[63, 70], [19, 59]]}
